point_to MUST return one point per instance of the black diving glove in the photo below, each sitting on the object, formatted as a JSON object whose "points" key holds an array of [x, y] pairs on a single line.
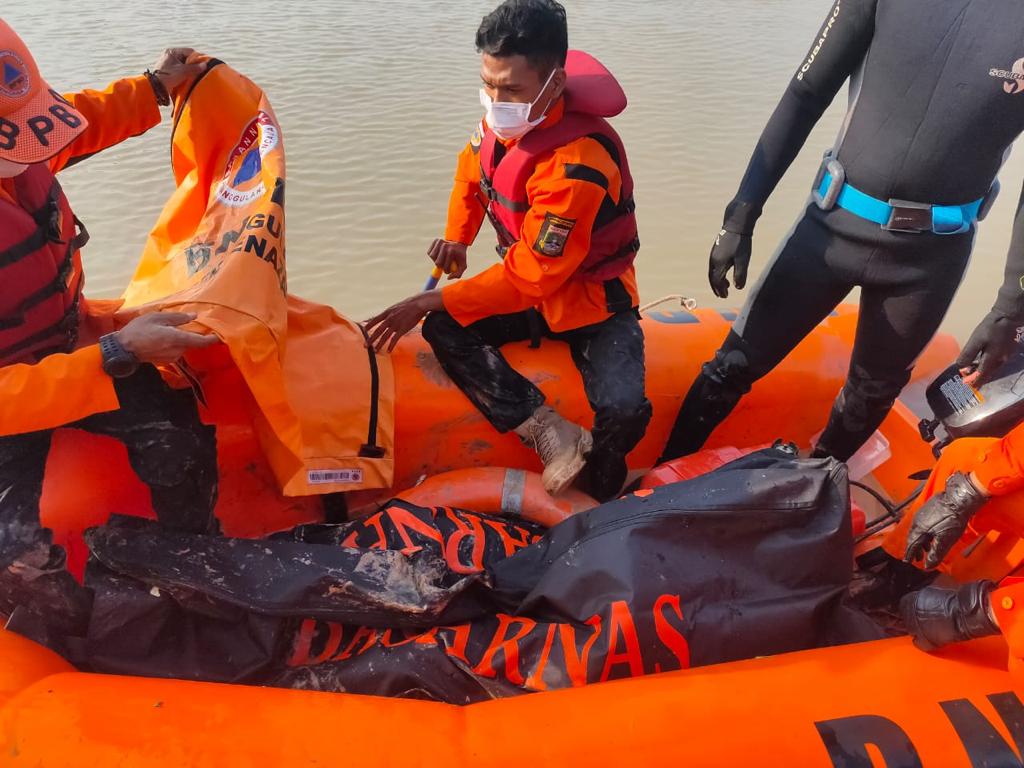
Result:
{"points": [[991, 344], [730, 251], [940, 523], [936, 616]]}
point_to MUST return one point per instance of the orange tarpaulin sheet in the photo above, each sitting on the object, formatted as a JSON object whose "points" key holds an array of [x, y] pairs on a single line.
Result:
{"points": [[322, 404]]}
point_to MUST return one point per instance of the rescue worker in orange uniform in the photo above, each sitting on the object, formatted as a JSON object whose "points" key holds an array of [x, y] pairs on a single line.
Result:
{"points": [[55, 370], [969, 524], [555, 184]]}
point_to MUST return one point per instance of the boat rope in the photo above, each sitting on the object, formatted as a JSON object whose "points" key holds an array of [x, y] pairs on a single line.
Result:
{"points": [[685, 302]]}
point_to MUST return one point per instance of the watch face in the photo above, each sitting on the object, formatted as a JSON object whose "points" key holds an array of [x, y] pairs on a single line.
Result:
{"points": [[120, 367], [118, 362]]}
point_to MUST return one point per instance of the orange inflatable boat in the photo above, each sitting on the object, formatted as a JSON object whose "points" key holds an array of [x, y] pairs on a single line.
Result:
{"points": [[437, 431], [881, 703]]}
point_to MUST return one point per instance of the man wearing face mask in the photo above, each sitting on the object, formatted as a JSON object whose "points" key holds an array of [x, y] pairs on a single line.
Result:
{"points": [[62, 363], [555, 184]]}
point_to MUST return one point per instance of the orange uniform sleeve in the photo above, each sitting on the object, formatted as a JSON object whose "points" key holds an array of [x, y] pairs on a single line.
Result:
{"points": [[467, 205], [1001, 466], [126, 108], [565, 195], [58, 390]]}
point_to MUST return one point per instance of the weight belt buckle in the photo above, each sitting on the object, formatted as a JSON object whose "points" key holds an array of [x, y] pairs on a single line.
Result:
{"points": [[834, 170], [909, 217]]}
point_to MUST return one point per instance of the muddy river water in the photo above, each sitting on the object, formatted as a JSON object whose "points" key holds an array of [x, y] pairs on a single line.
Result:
{"points": [[376, 99]]}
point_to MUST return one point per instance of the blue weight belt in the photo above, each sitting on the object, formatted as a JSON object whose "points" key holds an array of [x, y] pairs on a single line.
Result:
{"points": [[900, 216]]}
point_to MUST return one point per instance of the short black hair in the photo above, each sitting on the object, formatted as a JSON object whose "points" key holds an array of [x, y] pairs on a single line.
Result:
{"points": [[536, 29]]}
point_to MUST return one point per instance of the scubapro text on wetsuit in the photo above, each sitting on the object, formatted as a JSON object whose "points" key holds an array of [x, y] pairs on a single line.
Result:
{"points": [[821, 41]]}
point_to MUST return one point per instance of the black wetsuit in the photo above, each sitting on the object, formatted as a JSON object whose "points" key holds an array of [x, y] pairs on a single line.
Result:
{"points": [[937, 99]]}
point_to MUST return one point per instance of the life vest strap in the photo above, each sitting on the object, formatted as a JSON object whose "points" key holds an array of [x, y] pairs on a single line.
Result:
{"points": [[495, 196], [81, 238], [616, 296], [59, 284], [47, 220], [628, 249], [65, 329], [38, 239]]}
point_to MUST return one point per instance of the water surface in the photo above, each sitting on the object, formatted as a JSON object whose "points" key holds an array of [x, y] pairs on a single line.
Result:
{"points": [[376, 99]]}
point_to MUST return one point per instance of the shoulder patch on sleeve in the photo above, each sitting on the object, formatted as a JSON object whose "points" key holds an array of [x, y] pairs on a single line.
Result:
{"points": [[477, 138], [554, 233]]}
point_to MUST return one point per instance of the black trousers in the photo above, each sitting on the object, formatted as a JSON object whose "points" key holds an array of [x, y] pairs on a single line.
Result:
{"points": [[907, 283], [169, 448], [610, 359]]}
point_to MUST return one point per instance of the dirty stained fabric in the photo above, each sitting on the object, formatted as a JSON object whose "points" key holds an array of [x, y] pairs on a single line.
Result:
{"points": [[170, 450], [445, 604], [609, 356]]}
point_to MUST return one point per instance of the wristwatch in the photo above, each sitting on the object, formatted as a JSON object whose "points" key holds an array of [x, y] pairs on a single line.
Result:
{"points": [[118, 362]]}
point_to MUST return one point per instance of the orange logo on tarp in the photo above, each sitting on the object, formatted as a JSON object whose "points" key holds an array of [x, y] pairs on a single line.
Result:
{"points": [[620, 641], [218, 249], [463, 541], [243, 180]]}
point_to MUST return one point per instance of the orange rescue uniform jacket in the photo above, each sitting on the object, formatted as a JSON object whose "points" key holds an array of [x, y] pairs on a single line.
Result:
{"points": [[998, 465], [527, 278], [64, 388]]}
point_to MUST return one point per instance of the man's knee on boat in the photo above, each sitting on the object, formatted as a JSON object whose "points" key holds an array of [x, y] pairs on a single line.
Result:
{"points": [[863, 402], [731, 371], [622, 419], [438, 328]]}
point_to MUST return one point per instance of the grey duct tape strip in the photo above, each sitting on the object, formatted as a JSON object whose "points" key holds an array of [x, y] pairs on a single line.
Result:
{"points": [[512, 491]]}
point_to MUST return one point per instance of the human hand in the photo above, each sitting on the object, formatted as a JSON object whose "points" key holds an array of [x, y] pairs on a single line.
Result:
{"points": [[450, 256], [155, 337], [943, 519], [394, 322], [991, 344], [172, 68], [936, 616], [730, 251]]}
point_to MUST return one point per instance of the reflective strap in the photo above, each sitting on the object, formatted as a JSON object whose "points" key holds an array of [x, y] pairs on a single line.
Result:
{"points": [[946, 219], [512, 492]]}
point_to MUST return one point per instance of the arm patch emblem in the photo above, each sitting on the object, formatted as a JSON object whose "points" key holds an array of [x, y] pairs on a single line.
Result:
{"points": [[554, 233]]}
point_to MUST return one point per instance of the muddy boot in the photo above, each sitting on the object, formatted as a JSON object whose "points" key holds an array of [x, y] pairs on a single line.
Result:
{"points": [[561, 445]]}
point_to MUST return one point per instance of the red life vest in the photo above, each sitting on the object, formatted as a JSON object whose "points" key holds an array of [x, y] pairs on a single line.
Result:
{"points": [[504, 175], [40, 269]]}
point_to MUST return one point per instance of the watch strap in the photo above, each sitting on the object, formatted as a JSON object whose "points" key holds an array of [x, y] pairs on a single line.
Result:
{"points": [[117, 361]]}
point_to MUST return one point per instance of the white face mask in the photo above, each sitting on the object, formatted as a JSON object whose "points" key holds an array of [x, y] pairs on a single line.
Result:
{"points": [[9, 170], [510, 120]]}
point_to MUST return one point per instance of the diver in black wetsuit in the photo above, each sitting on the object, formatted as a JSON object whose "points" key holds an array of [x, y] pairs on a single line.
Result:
{"points": [[937, 99]]}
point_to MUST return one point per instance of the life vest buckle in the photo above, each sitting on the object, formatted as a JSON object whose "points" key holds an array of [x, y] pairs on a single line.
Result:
{"points": [[54, 223]]}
